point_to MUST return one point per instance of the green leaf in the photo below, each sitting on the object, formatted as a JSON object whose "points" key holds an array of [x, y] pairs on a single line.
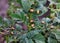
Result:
{"points": [[8, 22], [41, 1], [38, 41], [9, 39], [33, 33], [57, 1], [15, 16], [57, 34], [46, 20], [26, 40], [39, 38], [27, 4], [0, 21], [30, 41], [18, 27], [22, 16], [58, 5], [43, 9], [51, 40], [19, 1]]}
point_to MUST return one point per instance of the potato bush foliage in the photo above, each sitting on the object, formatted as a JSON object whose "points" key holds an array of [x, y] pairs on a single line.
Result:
{"points": [[29, 21]]}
